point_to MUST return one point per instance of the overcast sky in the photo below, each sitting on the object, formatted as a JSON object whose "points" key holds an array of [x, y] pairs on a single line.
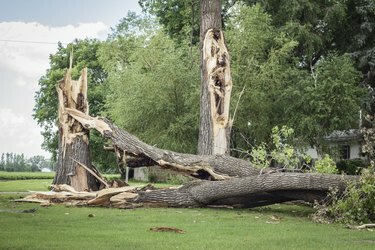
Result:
{"points": [[29, 32]]}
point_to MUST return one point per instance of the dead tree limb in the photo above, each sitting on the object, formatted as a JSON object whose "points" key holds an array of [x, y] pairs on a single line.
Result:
{"points": [[214, 167]]}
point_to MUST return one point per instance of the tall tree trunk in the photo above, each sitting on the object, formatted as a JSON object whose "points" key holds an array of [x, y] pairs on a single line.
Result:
{"points": [[73, 137], [216, 83]]}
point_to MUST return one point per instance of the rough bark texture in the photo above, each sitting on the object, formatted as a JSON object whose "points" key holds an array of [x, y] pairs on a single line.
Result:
{"points": [[215, 82], [73, 137], [249, 191], [213, 167], [239, 183]]}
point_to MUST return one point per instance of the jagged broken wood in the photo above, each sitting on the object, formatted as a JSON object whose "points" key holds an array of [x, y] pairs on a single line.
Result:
{"points": [[73, 137], [227, 181]]}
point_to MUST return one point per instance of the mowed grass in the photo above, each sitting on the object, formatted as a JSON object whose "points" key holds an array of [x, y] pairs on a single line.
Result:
{"points": [[25, 185], [25, 175], [20, 181], [38, 175], [60, 227]]}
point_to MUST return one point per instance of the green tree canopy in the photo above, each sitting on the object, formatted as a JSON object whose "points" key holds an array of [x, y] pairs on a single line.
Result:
{"points": [[153, 86]]}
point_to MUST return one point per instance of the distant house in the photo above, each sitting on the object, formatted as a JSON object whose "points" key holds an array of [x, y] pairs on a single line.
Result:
{"points": [[347, 142]]}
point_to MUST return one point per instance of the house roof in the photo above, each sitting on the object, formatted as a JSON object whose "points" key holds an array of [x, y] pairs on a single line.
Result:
{"points": [[341, 136]]}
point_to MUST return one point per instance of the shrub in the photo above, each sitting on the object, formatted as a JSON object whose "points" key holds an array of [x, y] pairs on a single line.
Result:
{"points": [[283, 154], [355, 205], [326, 165], [351, 167]]}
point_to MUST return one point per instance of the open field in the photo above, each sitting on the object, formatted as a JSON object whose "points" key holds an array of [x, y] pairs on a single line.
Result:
{"points": [[38, 175], [25, 175]]}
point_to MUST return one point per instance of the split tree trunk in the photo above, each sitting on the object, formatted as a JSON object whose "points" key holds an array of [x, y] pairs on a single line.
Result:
{"points": [[216, 83], [73, 137]]}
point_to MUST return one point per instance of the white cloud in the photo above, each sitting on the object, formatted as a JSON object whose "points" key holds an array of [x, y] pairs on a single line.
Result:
{"points": [[19, 134], [9, 121], [29, 60], [21, 66]]}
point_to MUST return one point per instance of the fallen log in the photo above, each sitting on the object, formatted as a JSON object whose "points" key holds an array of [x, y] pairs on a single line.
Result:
{"points": [[231, 181], [212, 167], [248, 191], [238, 182]]}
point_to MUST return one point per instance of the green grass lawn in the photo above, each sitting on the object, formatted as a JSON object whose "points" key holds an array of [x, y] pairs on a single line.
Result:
{"points": [[60, 227], [25, 185], [38, 175], [42, 185], [25, 175]]}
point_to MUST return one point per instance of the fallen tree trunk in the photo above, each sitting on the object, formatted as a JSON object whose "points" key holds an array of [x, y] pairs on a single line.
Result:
{"points": [[213, 167], [238, 182], [248, 191]]}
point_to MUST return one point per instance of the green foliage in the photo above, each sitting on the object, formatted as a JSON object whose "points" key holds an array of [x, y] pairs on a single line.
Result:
{"points": [[153, 89], [262, 61], [355, 205], [279, 91], [351, 167], [180, 19], [328, 100], [12, 162], [326, 165], [281, 153]]}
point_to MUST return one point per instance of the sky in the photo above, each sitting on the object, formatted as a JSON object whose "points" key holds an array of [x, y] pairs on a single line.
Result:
{"points": [[29, 32]]}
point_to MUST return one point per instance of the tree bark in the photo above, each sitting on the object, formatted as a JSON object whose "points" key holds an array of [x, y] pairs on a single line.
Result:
{"points": [[240, 183], [212, 167], [216, 83], [73, 137]]}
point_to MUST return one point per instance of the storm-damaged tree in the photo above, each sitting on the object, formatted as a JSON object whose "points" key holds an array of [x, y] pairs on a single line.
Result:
{"points": [[229, 181], [216, 83], [74, 152]]}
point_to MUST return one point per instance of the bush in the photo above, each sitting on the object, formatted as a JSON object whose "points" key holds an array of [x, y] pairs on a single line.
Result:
{"points": [[351, 167], [326, 165], [355, 205]]}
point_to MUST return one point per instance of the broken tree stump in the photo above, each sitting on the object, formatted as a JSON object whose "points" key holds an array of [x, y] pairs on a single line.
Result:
{"points": [[73, 137]]}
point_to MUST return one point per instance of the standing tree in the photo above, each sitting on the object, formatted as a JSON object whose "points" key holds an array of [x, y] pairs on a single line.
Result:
{"points": [[216, 83]]}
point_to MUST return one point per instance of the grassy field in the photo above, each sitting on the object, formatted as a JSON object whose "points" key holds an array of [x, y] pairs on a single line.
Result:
{"points": [[61, 227], [38, 181], [25, 175], [38, 175]]}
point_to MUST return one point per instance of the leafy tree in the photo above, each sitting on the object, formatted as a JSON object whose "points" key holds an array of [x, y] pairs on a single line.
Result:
{"points": [[152, 88], [38, 162], [180, 19], [2, 162], [278, 91], [328, 100]]}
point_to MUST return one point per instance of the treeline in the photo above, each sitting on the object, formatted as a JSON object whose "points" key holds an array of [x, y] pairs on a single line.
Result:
{"points": [[12, 162], [308, 65]]}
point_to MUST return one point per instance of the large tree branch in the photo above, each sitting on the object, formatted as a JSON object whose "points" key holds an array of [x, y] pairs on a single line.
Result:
{"points": [[215, 167]]}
